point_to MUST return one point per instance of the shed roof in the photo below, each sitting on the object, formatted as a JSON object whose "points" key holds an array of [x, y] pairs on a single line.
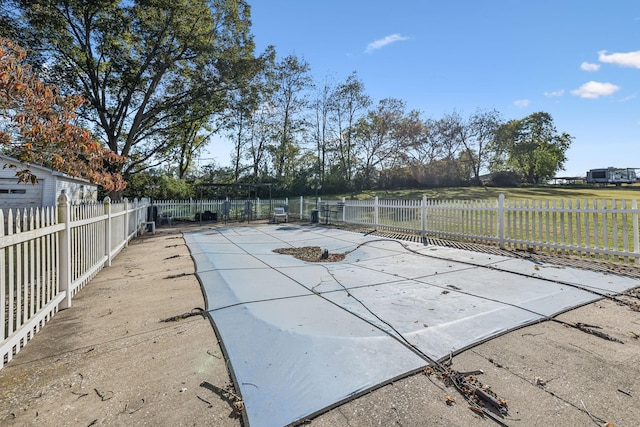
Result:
{"points": [[12, 160]]}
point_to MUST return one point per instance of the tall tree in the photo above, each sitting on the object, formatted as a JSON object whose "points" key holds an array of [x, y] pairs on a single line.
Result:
{"points": [[410, 132], [464, 142], [424, 149], [292, 80], [448, 133], [38, 125], [244, 104], [377, 137], [322, 106], [260, 135], [483, 128], [531, 147], [188, 139], [349, 103], [136, 62]]}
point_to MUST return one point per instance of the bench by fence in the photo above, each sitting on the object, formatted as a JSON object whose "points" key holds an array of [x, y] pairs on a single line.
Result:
{"points": [[280, 214]]}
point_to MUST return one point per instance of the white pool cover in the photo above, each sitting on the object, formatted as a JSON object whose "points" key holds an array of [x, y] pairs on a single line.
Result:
{"points": [[302, 337]]}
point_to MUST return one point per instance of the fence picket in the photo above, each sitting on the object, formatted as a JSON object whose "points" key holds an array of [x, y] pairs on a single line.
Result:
{"points": [[636, 233], [614, 224], [10, 281]]}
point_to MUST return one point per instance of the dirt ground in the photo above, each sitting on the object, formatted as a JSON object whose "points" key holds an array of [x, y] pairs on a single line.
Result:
{"points": [[111, 360]]}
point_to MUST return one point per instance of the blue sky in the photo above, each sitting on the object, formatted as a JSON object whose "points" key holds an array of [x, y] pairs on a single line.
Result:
{"points": [[578, 60]]}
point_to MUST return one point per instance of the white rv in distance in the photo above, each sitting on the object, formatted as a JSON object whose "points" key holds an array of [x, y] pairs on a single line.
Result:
{"points": [[617, 176]]}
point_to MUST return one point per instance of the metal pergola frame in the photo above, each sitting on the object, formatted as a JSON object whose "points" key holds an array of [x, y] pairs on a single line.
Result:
{"points": [[227, 186], [250, 186]]}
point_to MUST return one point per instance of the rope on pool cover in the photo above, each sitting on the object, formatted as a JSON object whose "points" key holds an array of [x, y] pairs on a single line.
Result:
{"points": [[633, 306], [458, 379], [590, 329]]}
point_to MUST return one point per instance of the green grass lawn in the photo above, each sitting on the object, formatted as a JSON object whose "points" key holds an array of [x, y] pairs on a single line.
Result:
{"points": [[547, 192], [549, 217]]}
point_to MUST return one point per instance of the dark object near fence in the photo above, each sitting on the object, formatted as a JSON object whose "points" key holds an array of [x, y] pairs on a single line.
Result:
{"points": [[315, 216], [505, 179], [152, 213], [152, 217], [207, 216], [248, 210]]}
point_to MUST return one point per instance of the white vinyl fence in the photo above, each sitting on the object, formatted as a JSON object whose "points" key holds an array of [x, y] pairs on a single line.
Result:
{"points": [[48, 254], [603, 228], [229, 210]]}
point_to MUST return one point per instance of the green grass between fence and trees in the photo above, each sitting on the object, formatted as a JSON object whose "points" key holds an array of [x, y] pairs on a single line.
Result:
{"points": [[550, 192], [565, 219]]}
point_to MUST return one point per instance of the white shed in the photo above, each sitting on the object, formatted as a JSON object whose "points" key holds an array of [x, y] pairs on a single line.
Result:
{"points": [[50, 184]]}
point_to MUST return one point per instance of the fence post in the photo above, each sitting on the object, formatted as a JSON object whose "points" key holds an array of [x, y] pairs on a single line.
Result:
{"points": [[424, 218], [107, 230], [136, 215], [301, 207], [64, 217], [258, 208], [139, 219], [636, 237], [501, 220], [344, 210], [375, 214], [126, 222]]}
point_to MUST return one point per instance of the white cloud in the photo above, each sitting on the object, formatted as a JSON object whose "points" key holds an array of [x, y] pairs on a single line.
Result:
{"points": [[588, 66], [380, 43], [628, 59], [593, 90], [554, 93], [522, 103]]}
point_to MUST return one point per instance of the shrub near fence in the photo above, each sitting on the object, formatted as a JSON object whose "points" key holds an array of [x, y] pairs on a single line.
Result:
{"points": [[48, 254]]}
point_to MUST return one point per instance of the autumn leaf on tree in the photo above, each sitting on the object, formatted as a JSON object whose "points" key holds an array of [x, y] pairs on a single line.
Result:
{"points": [[37, 126]]}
